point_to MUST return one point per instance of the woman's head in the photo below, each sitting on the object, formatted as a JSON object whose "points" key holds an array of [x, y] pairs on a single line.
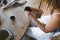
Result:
{"points": [[56, 4]]}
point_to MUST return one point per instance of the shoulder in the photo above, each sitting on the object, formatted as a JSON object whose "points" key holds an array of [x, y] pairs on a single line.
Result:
{"points": [[57, 15]]}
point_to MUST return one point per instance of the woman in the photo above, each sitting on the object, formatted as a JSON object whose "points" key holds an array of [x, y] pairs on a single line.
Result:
{"points": [[47, 24]]}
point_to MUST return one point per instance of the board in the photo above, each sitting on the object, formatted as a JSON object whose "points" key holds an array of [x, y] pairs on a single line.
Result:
{"points": [[15, 21]]}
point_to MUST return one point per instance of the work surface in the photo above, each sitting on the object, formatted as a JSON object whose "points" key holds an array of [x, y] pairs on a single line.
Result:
{"points": [[18, 25], [14, 19]]}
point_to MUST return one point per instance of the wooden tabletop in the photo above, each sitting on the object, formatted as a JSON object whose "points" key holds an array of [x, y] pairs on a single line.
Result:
{"points": [[15, 20]]}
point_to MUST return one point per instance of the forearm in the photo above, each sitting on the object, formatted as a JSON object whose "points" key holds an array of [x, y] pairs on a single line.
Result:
{"points": [[36, 10], [51, 26], [42, 27]]}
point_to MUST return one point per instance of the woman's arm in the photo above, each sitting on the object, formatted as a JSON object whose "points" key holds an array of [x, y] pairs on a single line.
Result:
{"points": [[39, 11], [50, 26], [32, 17], [53, 23]]}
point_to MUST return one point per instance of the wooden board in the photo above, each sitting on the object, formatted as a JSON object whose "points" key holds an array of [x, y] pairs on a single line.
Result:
{"points": [[21, 22], [18, 26]]}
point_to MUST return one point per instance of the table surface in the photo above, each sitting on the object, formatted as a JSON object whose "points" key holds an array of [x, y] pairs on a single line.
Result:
{"points": [[19, 25], [21, 22]]}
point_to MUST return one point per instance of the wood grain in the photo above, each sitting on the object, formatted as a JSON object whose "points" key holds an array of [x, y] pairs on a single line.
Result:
{"points": [[21, 22], [19, 26]]}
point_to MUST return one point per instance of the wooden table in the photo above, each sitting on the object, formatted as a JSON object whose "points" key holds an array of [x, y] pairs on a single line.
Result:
{"points": [[14, 19], [17, 25]]}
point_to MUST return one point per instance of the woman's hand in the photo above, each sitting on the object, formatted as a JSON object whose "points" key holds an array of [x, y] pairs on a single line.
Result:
{"points": [[27, 13], [34, 10]]}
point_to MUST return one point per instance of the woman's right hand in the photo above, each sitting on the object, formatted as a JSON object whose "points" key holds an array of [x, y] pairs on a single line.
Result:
{"points": [[27, 11], [34, 10]]}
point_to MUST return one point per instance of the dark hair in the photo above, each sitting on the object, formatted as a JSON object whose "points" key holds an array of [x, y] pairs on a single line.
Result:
{"points": [[56, 3], [28, 9]]}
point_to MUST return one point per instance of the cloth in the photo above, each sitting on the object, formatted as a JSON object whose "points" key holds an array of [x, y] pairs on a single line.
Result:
{"points": [[37, 33]]}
